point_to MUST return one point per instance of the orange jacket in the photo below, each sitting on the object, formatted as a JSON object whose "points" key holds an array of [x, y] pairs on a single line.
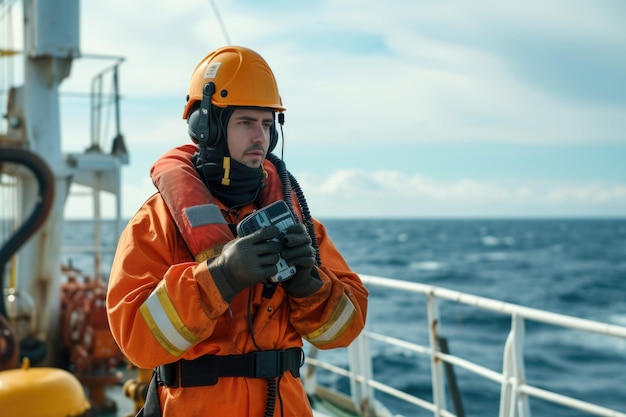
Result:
{"points": [[164, 306]]}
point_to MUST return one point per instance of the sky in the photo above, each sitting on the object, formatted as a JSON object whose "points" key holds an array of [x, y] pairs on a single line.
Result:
{"points": [[423, 109]]}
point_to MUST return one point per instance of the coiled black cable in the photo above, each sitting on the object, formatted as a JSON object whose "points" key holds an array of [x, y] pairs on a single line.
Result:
{"points": [[283, 174], [306, 215], [289, 184], [270, 402], [271, 397]]}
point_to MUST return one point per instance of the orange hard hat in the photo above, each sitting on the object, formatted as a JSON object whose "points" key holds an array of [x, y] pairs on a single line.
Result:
{"points": [[241, 77]]}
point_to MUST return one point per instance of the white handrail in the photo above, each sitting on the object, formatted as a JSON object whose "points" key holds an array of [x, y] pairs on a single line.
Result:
{"points": [[515, 391], [499, 306]]}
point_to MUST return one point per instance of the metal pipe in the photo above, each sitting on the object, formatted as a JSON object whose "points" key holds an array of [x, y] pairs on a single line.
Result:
{"points": [[41, 210]]}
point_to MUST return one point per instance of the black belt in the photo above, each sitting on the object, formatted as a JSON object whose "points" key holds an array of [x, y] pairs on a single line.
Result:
{"points": [[206, 369]]}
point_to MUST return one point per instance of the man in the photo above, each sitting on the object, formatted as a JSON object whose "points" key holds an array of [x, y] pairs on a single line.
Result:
{"points": [[190, 298]]}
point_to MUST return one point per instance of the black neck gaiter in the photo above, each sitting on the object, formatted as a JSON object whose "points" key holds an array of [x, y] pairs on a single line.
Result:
{"points": [[231, 182]]}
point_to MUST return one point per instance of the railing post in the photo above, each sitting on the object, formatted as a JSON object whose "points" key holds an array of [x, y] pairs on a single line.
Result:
{"points": [[513, 403], [360, 362], [436, 366]]}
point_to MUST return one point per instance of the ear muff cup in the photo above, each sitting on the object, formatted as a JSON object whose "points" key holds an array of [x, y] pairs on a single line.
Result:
{"points": [[193, 127], [273, 137], [201, 125]]}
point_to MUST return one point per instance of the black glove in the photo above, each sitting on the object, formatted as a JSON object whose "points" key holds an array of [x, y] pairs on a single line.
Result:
{"points": [[245, 261], [298, 251]]}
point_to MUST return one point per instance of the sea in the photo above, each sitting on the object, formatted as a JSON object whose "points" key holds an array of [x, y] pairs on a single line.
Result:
{"points": [[575, 267]]}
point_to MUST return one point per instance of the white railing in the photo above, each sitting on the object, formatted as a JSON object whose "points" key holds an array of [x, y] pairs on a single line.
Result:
{"points": [[514, 391]]}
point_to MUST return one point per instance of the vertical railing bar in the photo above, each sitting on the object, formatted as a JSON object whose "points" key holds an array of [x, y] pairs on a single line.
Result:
{"points": [[523, 407], [439, 398], [505, 390]]}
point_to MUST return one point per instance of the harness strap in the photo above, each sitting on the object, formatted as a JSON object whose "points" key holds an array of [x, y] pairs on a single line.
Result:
{"points": [[151, 407], [206, 369]]}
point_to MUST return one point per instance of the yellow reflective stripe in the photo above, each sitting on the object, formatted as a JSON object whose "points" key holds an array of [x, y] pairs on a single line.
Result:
{"points": [[210, 253], [165, 323], [160, 337], [337, 324]]}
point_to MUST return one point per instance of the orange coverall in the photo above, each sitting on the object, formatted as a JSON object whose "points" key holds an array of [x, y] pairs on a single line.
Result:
{"points": [[163, 305]]}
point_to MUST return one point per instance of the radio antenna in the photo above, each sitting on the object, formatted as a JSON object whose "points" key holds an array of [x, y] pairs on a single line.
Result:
{"points": [[221, 22]]}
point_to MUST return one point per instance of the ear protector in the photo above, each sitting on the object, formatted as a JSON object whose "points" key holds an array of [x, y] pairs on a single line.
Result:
{"points": [[201, 127], [205, 130], [273, 136]]}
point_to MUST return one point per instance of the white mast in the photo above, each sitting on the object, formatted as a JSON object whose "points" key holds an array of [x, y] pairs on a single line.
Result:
{"points": [[51, 42]]}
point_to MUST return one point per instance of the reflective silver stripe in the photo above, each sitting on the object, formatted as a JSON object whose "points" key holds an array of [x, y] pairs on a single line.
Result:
{"points": [[337, 324], [204, 214], [165, 323]]}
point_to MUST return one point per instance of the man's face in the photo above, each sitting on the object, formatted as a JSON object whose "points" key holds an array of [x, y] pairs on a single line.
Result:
{"points": [[248, 134]]}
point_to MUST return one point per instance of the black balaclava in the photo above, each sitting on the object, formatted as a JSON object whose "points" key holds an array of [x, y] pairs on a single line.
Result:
{"points": [[232, 182]]}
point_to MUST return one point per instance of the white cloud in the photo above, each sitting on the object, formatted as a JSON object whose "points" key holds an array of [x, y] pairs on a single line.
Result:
{"points": [[356, 193]]}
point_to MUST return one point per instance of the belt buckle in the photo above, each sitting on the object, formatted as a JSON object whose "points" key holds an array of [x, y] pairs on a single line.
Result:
{"points": [[168, 374], [268, 364]]}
